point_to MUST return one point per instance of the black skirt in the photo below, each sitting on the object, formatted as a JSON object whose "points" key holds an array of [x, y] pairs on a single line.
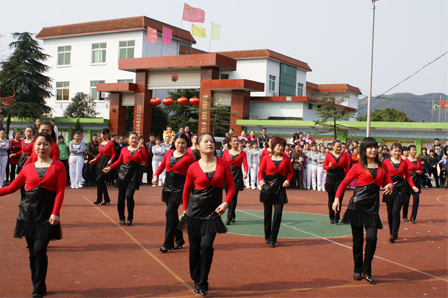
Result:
{"points": [[34, 212], [273, 191], [200, 217], [237, 174], [102, 164], [399, 194], [363, 207], [173, 187], [334, 179], [128, 176]]}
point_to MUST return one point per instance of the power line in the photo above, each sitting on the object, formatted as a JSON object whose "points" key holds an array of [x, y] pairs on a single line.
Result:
{"points": [[408, 77]]}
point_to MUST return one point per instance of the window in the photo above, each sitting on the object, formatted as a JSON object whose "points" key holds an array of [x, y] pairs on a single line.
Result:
{"points": [[224, 76], [62, 90], [64, 54], [288, 80], [127, 49], [93, 93], [99, 52], [126, 81], [271, 83], [299, 89]]}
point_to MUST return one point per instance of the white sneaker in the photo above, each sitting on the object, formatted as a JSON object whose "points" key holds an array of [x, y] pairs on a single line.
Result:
{"points": [[253, 187], [154, 185], [79, 186]]}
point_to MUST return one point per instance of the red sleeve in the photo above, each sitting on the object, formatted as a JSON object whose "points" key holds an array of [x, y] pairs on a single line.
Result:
{"points": [[22, 150], [326, 162], [246, 167], [187, 187], [112, 150], [408, 176], [289, 170], [55, 153], [352, 174], [261, 169], [386, 178], [144, 154], [229, 181], [119, 161], [347, 163], [162, 166], [16, 184], [61, 181]]}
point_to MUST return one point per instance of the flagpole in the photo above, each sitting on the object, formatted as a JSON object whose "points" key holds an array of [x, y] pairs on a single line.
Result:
{"points": [[369, 99], [180, 32], [439, 113], [432, 110], [209, 45]]}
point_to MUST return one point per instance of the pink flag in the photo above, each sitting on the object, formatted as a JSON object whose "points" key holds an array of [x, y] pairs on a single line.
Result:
{"points": [[151, 35], [194, 15], [167, 36]]}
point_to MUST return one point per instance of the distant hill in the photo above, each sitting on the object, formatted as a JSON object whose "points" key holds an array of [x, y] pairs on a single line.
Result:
{"points": [[416, 107]]}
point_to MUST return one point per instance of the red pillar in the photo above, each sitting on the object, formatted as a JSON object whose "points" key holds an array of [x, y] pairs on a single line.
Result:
{"points": [[142, 106], [205, 124], [117, 114], [239, 108]]}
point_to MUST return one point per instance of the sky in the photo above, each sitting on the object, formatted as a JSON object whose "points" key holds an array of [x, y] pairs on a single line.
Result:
{"points": [[332, 36]]}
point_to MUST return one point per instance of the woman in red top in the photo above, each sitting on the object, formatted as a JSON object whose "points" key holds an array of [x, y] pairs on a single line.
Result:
{"points": [[336, 164], [415, 168], [203, 209], [106, 154], [236, 158], [354, 158], [194, 147], [38, 219], [131, 157], [274, 175], [176, 162], [364, 206], [15, 145], [399, 173], [47, 127]]}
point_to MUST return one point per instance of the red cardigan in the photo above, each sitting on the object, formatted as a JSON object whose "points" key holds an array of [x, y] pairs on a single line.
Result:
{"points": [[364, 178], [54, 179], [266, 164], [196, 176], [344, 162], [125, 157], [54, 154], [402, 171], [107, 150], [28, 149], [241, 159], [180, 167], [412, 167]]}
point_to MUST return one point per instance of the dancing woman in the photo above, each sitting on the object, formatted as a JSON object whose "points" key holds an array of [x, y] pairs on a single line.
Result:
{"points": [[236, 158], [131, 157], [399, 173], [415, 168], [278, 169], [363, 207], [336, 165], [203, 209], [176, 162], [106, 154], [38, 219]]}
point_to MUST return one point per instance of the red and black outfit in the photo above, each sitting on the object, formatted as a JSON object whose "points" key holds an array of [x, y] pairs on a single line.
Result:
{"points": [[128, 179], [363, 211], [413, 167], [105, 153], [394, 201], [235, 162], [274, 173], [335, 175], [24, 154], [176, 173], [14, 148], [54, 153], [43, 197], [200, 219]]}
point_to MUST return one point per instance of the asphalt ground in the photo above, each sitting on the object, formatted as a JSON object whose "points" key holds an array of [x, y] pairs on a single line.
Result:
{"points": [[97, 257]]}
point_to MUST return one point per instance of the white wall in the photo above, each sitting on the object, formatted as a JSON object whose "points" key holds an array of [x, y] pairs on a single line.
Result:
{"points": [[262, 110], [273, 69], [251, 69]]}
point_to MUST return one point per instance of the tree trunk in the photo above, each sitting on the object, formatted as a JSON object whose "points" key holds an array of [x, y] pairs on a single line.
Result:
{"points": [[8, 123]]}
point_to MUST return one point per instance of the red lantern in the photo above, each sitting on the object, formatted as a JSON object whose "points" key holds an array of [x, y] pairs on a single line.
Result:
{"points": [[155, 101], [194, 101], [168, 101], [182, 100]]}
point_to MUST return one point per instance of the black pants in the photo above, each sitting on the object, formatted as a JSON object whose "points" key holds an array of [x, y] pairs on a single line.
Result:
{"points": [[331, 196], [415, 203], [272, 226], [171, 232], [141, 170], [232, 206], [358, 241], [393, 216], [91, 174], [129, 196], [201, 257], [12, 172], [65, 162], [433, 171], [296, 182], [38, 263], [148, 171], [101, 188]]}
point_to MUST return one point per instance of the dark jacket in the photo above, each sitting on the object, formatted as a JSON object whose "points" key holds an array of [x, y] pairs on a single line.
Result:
{"points": [[92, 150]]}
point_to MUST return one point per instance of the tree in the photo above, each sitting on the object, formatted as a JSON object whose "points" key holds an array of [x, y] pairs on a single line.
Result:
{"points": [[77, 127], [388, 115], [81, 106], [183, 115], [159, 120], [219, 116], [331, 113], [23, 72]]}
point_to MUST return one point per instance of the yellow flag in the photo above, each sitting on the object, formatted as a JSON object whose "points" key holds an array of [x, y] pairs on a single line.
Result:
{"points": [[198, 31], [216, 32]]}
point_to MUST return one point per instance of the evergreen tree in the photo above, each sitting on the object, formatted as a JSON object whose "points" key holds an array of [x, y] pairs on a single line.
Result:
{"points": [[77, 127], [387, 115], [330, 114], [23, 72], [186, 115], [81, 106], [159, 120]]}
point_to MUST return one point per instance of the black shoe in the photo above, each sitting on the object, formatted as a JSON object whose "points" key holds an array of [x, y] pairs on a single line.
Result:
{"points": [[369, 278], [233, 220], [405, 219], [122, 222], [413, 220], [164, 249], [332, 222], [37, 295], [178, 246], [129, 222], [88, 184], [97, 203], [203, 292], [272, 244], [392, 239], [267, 241], [227, 222], [196, 290], [106, 202], [357, 276]]}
